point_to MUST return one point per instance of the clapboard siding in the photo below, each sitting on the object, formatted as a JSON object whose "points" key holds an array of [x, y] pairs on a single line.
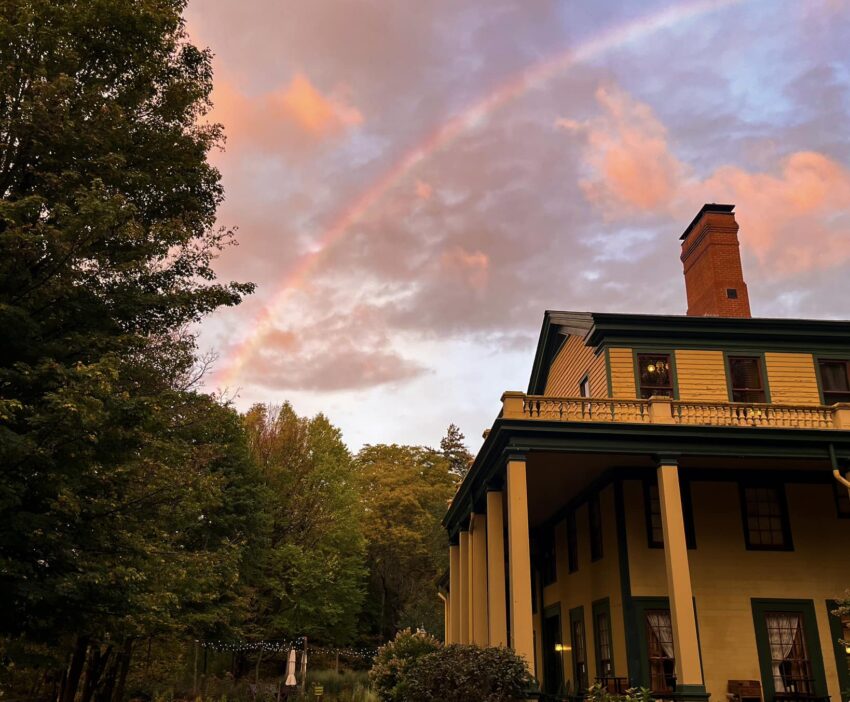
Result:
{"points": [[791, 378], [622, 373], [701, 376], [571, 364]]}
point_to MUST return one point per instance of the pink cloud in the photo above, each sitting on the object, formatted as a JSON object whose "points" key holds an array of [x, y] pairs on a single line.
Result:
{"points": [[471, 266], [423, 190], [793, 216]]}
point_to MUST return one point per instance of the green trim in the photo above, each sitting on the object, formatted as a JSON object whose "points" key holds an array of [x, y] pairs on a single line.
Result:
{"points": [[629, 622], [602, 606], [671, 352], [641, 605], [746, 353], [779, 486], [842, 658], [608, 373], [816, 357], [572, 542], [810, 630], [577, 615], [548, 647], [596, 537]]}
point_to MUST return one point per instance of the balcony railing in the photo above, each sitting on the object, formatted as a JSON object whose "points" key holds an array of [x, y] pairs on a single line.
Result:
{"points": [[664, 410]]}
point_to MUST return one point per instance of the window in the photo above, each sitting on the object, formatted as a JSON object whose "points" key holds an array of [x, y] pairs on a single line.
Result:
{"points": [[834, 381], [789, 656], [549, 564], [732, 293], [602, 634], [656, 375], [594, 515], [579, 649], [652, 507], [662, 660], [553, 665], [584, 387], [745, 379], [765, 518], [654, 529], [842, 500], [572, 542]]}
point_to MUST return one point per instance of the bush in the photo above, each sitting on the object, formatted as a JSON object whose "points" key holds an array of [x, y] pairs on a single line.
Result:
{"points": [[459, 673], [393, 659], [597, 693]]}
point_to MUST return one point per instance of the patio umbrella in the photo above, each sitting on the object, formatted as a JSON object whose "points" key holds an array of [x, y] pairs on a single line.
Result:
{"points": [[290, 670]]}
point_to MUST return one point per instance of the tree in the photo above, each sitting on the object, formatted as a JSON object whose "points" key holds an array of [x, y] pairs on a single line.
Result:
{"points": [[456, 452], [124, 494], [310, 578], [405, 491]]}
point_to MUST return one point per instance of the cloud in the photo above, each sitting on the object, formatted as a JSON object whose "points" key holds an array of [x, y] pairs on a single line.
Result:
{"points": [[423, 190], [316, 113], [471, 266], [794, 216], [333, 354]]}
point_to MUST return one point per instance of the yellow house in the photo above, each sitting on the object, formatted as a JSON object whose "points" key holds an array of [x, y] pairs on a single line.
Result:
{"points": [[662, 507]]}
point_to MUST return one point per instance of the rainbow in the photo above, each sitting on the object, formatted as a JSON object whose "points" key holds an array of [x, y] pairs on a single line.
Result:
{"points": [[517, 85]]}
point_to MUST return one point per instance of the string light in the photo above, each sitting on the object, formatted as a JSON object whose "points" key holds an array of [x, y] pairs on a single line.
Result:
{"points": [[285, 645]]}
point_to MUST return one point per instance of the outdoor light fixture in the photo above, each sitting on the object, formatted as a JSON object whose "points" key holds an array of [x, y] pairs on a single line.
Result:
{"points": [[560, 648]]}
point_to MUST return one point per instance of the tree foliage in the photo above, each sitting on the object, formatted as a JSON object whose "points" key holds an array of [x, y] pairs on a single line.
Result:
{"points": [[405, 491], [454, 450], [310, 576]]}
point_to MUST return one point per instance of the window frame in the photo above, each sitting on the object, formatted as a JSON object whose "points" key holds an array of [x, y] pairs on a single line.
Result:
{"points": [[674, 375], [603, 608], [763, 606], [584, 382], [842, 657], [687, 511], [577, 618], [788, 541], [757, 356], [829, 359], [596, 531]]}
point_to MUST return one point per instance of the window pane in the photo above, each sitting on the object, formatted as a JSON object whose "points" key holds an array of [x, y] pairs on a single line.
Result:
{"points": [[550, 568], [603, 643], [765, 518], [745, 378], [653, 506], [584, 387], [656, 377], [662, 661], [579, 654], [834, 381], [792, 669], [572, 543]]}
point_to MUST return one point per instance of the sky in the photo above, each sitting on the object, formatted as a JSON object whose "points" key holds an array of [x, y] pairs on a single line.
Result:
{"points": [[414, 183]]}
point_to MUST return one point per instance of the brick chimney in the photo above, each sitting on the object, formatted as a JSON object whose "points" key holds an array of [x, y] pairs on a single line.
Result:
{"points": [[711, 255]]}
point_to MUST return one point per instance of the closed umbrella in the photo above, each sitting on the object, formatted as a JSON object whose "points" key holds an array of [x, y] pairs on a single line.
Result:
{"points": [[290, 670]]}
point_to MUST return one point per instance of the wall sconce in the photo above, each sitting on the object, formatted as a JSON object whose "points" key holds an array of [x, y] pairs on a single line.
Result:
{"points": [[561, 648]]}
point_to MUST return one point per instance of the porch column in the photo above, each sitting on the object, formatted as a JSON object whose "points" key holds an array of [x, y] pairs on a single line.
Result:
{"points": [[446, 598], [480, 626], [496, 601], [453, 632], [519, 562], [465, 614], [689, 680]]}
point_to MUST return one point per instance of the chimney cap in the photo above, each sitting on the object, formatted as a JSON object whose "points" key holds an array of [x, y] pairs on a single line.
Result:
{"points": [[707, 207]]}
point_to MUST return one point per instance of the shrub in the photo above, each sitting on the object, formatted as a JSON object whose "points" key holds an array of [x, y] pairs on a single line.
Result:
{"points": [[597, 693], [459, 673], [393, 659]]}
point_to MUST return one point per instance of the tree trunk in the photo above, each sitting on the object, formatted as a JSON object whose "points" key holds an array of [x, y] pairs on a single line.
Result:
{"points": [[94, 670], [126, 655], [71, 678], [257, 671]]}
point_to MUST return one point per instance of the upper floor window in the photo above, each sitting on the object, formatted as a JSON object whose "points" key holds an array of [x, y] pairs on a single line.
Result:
{"points": [[595, 518], [765, 518], [745, 379], [652, 507], [584, 387], [656, 375], [834, 380], [550, 569], [572, 542]]}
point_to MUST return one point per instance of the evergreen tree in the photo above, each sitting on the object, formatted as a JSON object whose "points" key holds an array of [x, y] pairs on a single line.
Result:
{"points": [[455, 451]]}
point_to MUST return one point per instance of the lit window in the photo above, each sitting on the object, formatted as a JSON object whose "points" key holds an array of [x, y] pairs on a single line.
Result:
{"points": [[834, 381], [656, 375], [765, 518], [745, 377]]}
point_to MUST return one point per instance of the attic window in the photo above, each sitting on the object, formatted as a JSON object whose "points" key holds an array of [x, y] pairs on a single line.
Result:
{"points": [[732, 293], [584, 387]]}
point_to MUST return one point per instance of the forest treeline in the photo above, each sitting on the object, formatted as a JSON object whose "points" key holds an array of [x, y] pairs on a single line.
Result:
{"points": [[135, 508]]}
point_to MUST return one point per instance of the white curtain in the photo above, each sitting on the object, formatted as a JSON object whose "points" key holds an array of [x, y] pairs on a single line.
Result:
{"points": [[782, 631], [662, 627]]}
